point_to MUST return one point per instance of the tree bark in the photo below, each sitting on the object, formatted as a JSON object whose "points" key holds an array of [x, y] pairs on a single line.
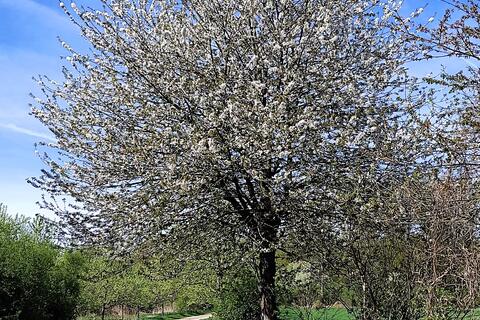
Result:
{"points": [[268, 303]]}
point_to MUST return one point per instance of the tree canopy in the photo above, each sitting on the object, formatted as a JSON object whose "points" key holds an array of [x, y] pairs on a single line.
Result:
{"points": [[240, 121]]}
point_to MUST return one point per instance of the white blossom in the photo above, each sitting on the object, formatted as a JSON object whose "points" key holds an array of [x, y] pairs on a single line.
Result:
{"points": [[198, 121]]}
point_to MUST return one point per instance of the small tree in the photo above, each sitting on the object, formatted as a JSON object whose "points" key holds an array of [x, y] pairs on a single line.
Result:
{"points": [[446, 248], [244, 118]]}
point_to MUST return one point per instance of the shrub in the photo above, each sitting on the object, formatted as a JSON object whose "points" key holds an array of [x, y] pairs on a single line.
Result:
{"points": [[37, 280], [239, 297]]}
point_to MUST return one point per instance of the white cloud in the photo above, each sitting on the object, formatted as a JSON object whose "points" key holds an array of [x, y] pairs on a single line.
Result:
{"points": [[26, 131]]}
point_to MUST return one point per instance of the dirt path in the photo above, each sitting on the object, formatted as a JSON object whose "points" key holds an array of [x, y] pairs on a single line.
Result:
{"points": [[205, 316]]}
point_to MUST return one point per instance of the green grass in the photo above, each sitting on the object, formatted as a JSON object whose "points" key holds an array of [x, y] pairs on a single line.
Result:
{"points": [[166, 316], [338, 314], [171, 316], [318, 314], [473, 315], [92, 317]]}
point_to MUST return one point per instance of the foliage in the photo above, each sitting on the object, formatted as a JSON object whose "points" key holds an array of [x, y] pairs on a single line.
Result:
{"points": [[300, 284], [142, 285], [37, 280], [166, 316], [315, 314], [238, 297]]}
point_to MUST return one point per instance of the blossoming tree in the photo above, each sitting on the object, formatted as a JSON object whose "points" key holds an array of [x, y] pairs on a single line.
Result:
{"points": [[234, 119]]}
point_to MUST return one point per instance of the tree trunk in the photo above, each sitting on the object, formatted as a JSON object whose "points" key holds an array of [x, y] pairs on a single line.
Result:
{"points": [[268, 303], [103, 311]]}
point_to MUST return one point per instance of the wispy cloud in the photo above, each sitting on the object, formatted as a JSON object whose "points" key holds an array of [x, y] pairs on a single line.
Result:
{"points": [[37, 8], [26, 131]]}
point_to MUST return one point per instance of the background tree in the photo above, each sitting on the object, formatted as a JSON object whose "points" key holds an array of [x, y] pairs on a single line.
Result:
{"points": [[37, 279], [444, 226], [456, 35], [130, 286], [249, 118]]}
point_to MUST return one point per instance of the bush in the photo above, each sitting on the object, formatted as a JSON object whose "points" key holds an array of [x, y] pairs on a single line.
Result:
{"points": [[37, 280], [239, 297]]}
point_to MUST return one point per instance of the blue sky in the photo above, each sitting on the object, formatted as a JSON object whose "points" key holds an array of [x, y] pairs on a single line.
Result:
{"points": [[28, 47]]}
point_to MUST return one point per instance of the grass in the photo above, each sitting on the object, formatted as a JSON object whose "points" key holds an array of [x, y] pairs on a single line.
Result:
{"points": [[338, 314], [170, 316], [317, 314], [166, 316], [473, 315]]}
